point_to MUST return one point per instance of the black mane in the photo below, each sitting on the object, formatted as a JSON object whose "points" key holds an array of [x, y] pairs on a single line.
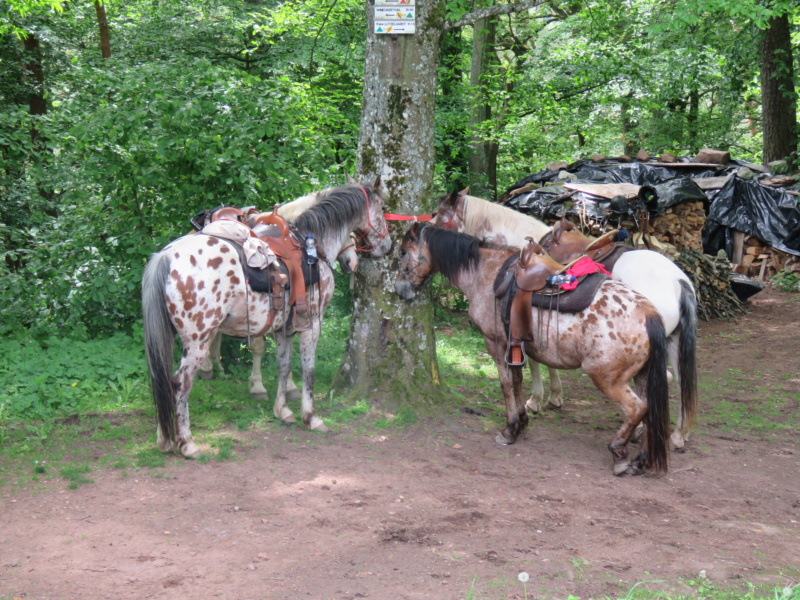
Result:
{"points": [[451, 252]]}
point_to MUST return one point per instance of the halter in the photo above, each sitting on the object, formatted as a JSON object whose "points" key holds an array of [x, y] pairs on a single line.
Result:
{"points": [[449, 224], [362, 238], [420, 259]]}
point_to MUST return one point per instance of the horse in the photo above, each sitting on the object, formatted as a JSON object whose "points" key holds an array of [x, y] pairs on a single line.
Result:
{"points": [[452, 214], [196, 286], [619, 337], [348, 262], [651, 274]]}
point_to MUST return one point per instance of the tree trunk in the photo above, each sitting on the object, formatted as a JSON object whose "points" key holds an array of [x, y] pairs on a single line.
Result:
{"points": [[631, 145], [102, 26], [778, 97], [391, 351], [34, 78], [480, 164]]}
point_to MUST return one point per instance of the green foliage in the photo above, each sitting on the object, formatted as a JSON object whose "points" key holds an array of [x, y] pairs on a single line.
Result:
{"points": [[786, 281], [41, 380]]}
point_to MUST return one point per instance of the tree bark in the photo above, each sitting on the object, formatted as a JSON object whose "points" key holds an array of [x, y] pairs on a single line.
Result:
{"points": [[391, 351], [34, 78], [480, 163], [102, 26], [778, 97]]}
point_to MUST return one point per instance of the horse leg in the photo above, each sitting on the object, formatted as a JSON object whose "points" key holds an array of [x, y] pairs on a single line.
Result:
{"points": [[193, 355], [213, 360], [556, 398], [678, 437], [256, 385], [284, 354], [534, 403], [308, 357], [511, 384], [634, 409]]}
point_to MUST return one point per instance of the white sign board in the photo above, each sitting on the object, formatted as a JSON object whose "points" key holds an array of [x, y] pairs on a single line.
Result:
{"points": [[394, 2], [395, 27], [396, 13]]}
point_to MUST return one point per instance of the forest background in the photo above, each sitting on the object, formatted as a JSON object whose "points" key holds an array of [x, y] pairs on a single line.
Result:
{"points": [[120, 121]]}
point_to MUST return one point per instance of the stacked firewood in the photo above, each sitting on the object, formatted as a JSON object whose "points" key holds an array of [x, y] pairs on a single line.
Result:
{"points": [[763, 262], [711, 279], [681, 226]]}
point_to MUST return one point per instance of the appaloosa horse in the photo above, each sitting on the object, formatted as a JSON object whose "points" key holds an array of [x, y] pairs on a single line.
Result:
{"points": [[348, 262], [196, 286], [651, 274], [619, 337]]}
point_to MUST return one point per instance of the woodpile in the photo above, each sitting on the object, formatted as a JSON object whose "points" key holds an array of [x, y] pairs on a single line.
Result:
{"points": [[711, 279], [681, 226], [762, 262]]}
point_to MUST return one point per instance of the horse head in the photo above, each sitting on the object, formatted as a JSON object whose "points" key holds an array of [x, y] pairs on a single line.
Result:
{"points": [[450, 212], [348, 256], [372, 230], [415, 265]]}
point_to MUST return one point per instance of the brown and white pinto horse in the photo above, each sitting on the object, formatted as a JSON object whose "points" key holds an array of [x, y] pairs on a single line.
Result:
{"points": [[651, 274], [196, 286], [619, 337]]}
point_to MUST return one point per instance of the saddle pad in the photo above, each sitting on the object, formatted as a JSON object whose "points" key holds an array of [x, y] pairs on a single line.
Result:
{"points": [[260, 279], [573, 301]]}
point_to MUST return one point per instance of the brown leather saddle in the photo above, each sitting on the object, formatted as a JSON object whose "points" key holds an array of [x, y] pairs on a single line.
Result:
{"points": [[275, 230], [527, 280]]}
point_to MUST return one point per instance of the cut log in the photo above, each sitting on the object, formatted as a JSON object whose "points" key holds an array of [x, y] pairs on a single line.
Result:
{"points": [[606, 190], [707, 155]]}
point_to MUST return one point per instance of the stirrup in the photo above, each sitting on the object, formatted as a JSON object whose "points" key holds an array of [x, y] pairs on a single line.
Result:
{"points": [[301, 319], [515, 355]]}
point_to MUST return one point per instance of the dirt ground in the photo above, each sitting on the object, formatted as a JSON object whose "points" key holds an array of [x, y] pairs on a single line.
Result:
{"points": [[438, 509]]}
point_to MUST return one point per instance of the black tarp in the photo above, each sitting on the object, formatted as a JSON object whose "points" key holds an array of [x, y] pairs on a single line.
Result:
{"points": [[772, 215]]}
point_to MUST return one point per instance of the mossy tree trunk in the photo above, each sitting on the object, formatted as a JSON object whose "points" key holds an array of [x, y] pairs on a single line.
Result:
{"points": [[391, 352]]}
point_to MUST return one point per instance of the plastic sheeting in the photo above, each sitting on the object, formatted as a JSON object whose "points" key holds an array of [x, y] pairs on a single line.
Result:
{"points": [[661, 188], [772, 215]]}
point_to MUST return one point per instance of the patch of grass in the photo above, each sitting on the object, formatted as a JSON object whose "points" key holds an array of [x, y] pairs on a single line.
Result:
{"points": [[75, 474]]}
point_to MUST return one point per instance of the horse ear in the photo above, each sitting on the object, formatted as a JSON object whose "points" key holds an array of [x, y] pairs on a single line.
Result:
{"points": [[377, 185], [452, 198], [464, 192], [350, 180]]}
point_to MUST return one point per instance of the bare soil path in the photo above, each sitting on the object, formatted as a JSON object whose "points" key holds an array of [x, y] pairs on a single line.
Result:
{"points": [[438, 508]]}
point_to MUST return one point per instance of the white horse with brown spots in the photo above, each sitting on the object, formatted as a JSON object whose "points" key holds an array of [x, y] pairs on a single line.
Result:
{"points": [[196, 286], [348, 262], [619, 337]]}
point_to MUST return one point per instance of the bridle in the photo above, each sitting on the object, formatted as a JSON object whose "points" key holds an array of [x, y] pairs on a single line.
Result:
{"points": [[420, 260], [361, 240]]}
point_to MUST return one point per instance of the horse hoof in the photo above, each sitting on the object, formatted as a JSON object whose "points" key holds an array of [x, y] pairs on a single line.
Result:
{"points": [[627, 468], [287, 416], [316, 424], [293, 394], [190, 450], [503, 440], [259, 395], [533, 406], [677, 440], [555, 404]]}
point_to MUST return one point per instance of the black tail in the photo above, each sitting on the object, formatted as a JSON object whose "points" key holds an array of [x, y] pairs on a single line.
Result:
{"points": [[687, 355], [159, 342], [657, 396]]}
